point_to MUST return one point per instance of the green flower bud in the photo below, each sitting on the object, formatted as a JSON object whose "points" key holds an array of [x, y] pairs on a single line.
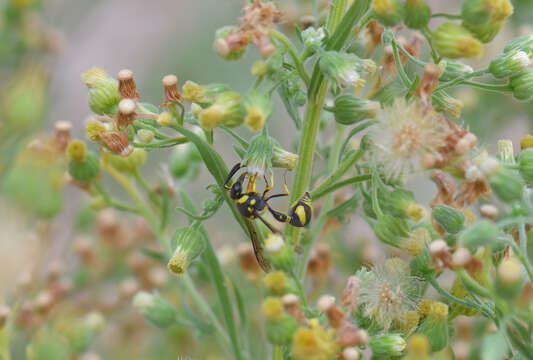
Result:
{"points": [[454, 69], [523, 43], [417, 13], [525, 160], [452, 220], [508, 64], [447, 104], [459, 291], [522, 85], [258, 107], [126, 164], [485, 32], [388, 12], [418, 347], [188, 244], [454, 41], [477, 12], [258, 156], [419, 265], [345, 69], [260, 68], [509, 278], [282, 158], [313, 37], [202, 95], [506, 184], [506, 152], [180, 160], [103, 91], [145, 136], [350, 109], [494, 347], [435, 326], [47, 345], [279, 326], [226, 110], [396, 202], [155, 308], [81, 335], [387, 36], [387, 345], [230, 44], [83, 165], [280, 255], [391, 229], [93, 129], [277, 283], [484, 232]]}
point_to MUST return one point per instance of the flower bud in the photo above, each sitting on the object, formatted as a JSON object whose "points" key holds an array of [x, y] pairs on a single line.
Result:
{"points": [[279, 326], [484, 232], [526, 142], [180, 161], [145, 136], [313, 37], [417, 13], [165, 119], [525, 159], [419, 265], [388, 12], [345, 70], [454, 41], [509, 64], [260, 68], [523, 43], [350, 109], [506, 184], [81, 335], [388, 345], [226, 110], [258, 156], [47, 345], [93, 129], [449, 218], [103, 91], [454, 69], [391, 230], [155, 308], [258, 107], [188, 244], [203, 95], [506, 151], [418, 347], [509, 278], [407, 322], [446, 104], [83, 165], [477, 12], [435, 326], [522, 85], [415, 243], [282, 158], [312, 342], [126, 164], [277, 283], [230, 43], [280, 255]]}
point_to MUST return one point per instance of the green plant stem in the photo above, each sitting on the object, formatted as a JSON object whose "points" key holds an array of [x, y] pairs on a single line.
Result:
{"points": [[408, 55], [277, 352], [433, 281], [163, 143], [489, 87], [461, 79], [291, 49], [328, 203], [399, 67], [337, 185], [522, 256], [306, 151], [113, 203], [204, 308], [447, 16], [151, 195], [427, 34], [335, 14], [343, 167], [473, 285]]}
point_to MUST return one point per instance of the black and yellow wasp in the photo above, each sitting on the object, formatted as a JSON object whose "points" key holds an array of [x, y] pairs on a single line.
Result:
{"points": [[252, 205]]}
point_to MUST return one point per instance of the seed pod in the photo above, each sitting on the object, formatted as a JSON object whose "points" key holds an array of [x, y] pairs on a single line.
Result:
{"points": [[155, 308], [449, 218], [484, 232], [454, 41], [188, 244], [417, 13], [351, 109], [522, 85], [508, 64]]}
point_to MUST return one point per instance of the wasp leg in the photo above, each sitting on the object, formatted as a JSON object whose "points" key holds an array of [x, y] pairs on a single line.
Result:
{"points": [[232, 172], [268, 186], [251, 184]]}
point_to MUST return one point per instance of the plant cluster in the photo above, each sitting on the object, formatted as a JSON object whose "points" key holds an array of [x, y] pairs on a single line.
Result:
{"points": [[376, 109]]}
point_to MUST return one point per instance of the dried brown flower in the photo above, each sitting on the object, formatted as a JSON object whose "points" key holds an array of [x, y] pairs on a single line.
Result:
{"points": [[126, 113], [126, 85], [117, 142], [171, 92]]}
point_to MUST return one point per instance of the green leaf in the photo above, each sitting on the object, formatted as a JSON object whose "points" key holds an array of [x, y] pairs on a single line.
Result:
{"points": [[240, 151], [291, 108], [298, 33], [240, 306], [236, 136], [156, 255]]}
